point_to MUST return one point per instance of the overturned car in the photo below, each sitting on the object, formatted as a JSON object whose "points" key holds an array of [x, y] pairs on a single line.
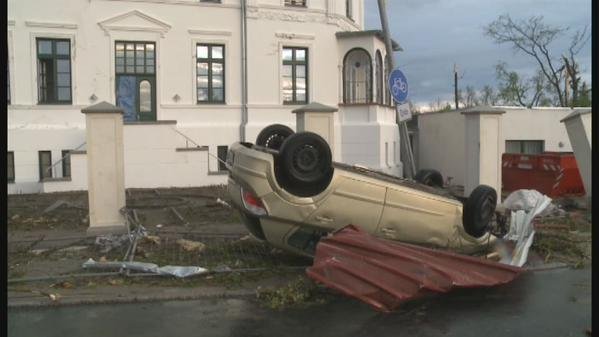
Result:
{"points": [[290, 193]]}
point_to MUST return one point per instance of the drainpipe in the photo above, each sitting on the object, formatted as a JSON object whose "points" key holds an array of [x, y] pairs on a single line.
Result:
{"points": [[244, 77]]}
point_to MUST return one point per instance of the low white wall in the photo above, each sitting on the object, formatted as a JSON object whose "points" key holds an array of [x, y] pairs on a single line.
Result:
{"points": [[441, 144], [441, 136]]}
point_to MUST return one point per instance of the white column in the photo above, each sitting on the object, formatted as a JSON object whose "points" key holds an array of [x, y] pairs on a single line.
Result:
{"points": [[320, 119], [105, 168], [578, 126], [484, 147]]}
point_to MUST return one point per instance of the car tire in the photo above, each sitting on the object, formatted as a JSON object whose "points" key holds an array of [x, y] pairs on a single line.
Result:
{"points": [[431, 178], [479, 209], [273, 136], [304, 164]]}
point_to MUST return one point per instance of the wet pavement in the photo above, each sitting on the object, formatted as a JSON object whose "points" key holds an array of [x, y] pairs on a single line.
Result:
{"points": [[542, 303]]}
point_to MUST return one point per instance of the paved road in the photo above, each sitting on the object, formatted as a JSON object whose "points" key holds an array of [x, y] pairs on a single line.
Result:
{"points": [[548, 303]]}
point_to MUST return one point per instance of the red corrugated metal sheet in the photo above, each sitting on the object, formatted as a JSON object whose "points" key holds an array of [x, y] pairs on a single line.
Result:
{"points": [[384, 274]]}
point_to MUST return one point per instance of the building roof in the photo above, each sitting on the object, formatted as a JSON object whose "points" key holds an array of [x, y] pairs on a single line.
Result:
{"points": [[315, 107], [373, 32], [576, 112]]}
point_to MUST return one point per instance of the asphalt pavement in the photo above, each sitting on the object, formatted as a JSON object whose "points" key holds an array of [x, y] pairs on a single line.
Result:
{"points": [[542, 303]]}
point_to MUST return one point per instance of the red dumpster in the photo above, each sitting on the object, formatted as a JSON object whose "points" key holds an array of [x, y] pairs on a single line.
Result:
{"points": [[554, 174]]}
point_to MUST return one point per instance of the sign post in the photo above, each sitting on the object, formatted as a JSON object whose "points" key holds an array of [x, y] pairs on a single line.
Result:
{"points": [[398, 87], [407, 157]]}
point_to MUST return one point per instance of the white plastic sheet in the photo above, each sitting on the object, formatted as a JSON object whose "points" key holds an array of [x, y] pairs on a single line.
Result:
{"points": [[525, 206], [178, 271]]}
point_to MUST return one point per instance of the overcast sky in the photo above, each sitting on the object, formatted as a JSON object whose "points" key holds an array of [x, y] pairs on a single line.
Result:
{"points": [[436, 33]]}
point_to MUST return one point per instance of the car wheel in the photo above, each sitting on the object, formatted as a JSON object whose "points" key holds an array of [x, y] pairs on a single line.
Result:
{"points": [[430, 178], [273, 136], [304, 164], [479, 209]]}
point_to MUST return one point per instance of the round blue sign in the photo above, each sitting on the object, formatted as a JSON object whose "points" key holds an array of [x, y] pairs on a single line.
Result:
{"points": [[398, 86]]}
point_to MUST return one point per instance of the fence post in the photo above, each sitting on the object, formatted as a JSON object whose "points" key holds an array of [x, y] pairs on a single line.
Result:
{"points": [[484, 147], [105, 168]]}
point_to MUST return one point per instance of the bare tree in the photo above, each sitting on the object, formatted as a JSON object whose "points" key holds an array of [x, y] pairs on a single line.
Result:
{"points": [[533, 37], [488, 96], [471, 97]]}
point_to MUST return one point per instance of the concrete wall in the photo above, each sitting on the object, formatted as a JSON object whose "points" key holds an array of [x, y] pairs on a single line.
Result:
{"points": [[442, 136], [441, 139]]}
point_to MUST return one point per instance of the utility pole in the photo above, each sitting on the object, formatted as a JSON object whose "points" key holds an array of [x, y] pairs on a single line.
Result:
{"points": [[455, 85], [403, 128]]}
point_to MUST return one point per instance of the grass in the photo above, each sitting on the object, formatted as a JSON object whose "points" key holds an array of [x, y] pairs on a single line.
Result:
{"points": [[301, 292]]}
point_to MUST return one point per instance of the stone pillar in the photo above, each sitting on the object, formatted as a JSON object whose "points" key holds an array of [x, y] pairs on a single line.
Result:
{"points": [[317, 118], [484, 147], [105, 168], [578, 126]]}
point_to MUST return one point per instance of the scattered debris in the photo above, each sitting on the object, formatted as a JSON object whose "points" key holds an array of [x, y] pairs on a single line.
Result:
{"points": [[191, 246], [154, 239], [222, 202], [63, 284], [178, 271], [179, 216], [73, 249], [111, 241], [38, 251], [525, 205], [159, 226], [15, 217]]}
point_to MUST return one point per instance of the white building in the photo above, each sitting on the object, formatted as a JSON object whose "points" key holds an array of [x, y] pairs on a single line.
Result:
{"points": [[177, 69], [442, 137]]}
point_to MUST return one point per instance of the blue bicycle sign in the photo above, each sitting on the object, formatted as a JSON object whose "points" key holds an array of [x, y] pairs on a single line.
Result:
{"points": [[398, 86]]}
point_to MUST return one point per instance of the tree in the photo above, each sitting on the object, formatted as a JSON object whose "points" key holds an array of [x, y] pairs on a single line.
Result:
{"points": [[471, 98], [533, 37], [488, 96], [516, 90], [584, 97]]}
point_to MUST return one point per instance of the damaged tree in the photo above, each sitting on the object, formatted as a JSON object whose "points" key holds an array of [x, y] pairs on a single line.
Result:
{"points": [[533, 37]]}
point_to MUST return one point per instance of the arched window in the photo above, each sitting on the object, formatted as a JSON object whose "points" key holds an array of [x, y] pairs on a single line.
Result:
{"points": [[379, 77], [357, 77]]}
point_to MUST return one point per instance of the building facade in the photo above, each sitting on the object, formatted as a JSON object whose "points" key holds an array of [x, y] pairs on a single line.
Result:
{"points": [[192, 77]]}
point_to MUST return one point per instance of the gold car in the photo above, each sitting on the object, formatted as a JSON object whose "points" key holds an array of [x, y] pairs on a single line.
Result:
{"points": [[290, 193]]}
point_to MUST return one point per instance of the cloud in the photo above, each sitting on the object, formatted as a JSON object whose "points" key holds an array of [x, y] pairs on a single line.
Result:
{"points": [[436, 34]]}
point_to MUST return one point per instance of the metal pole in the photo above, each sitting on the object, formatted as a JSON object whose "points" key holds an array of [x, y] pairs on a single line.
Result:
{"points": [[403, 129], [455, 86]]}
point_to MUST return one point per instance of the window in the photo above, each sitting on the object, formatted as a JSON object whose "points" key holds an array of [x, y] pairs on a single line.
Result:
{"points": [[379, 77], [525, 146], [135, 80], [11, 167], [296, 3], [45, 164], [222, 155], [295, 75], [54, 71], [349, 9], [66, 164], [357, 77], [210, 66]]}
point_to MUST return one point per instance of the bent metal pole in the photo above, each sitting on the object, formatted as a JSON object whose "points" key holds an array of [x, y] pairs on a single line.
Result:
{"points": [[403, 129]]}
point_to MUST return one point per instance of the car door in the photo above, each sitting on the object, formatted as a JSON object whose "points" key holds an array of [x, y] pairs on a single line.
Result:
{"points": [[412, 215], [352, 201]]}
